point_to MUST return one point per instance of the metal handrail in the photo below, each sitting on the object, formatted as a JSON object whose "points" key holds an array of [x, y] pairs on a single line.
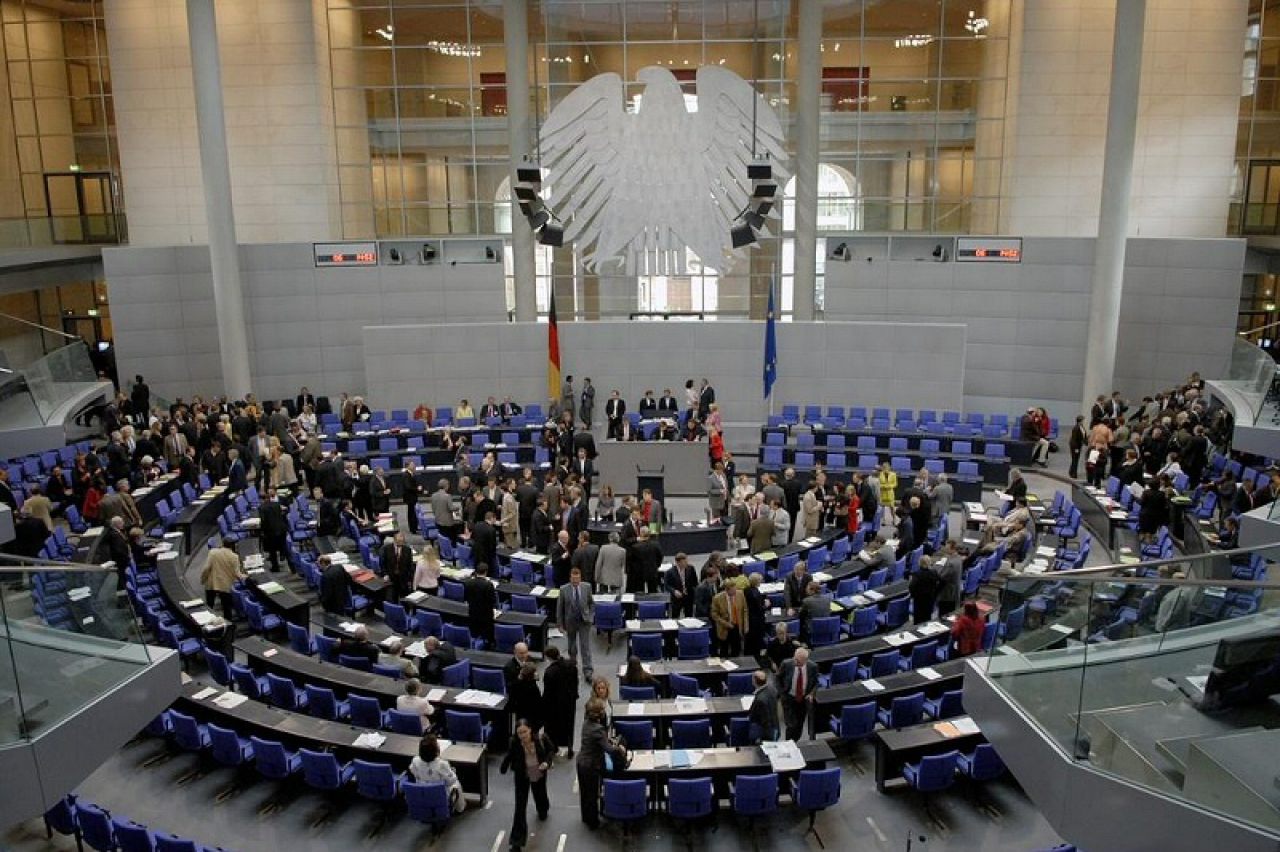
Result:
{"points": [[1156, 563], [35, 564], [1250, 331], [39, 326]]}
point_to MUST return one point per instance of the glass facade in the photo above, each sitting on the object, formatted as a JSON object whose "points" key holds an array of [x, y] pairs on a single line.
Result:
{"points": [[65, 167], [912, 99], [1256, 188]]}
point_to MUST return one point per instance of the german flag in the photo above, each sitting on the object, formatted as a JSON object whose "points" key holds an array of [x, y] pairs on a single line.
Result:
{"points": [[553, 351]]}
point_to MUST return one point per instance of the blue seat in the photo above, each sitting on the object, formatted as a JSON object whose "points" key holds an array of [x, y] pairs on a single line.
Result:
{"points": [[377, 781], [490, 680], [228, 748], [739, 683], [322, 771], [651, 610], [824, 631], [636, 733], [845, 671], [427, 803], [686, 686], [352, 661], [405, 723], [691, 733], [946, 705], [457, 676], [693, 644], [1011, 626], [608, 617], [981, 764], [626, 801], [816, 790], [300, 639], [895, 614], [638, 693], [932, 773], [96, 828], [397, 618], [467, 727], [855, 722], [323, 704], [755, 795], [429, 623], [326, 648], [884, 663], [507, 636], [63, 818], [285, 694], [460, 637], [647, 646], [739, 731], [921, 655], [273, 760], [689, 798], [365, 712], [905, 711], [219, 668], [865, 622], [189, 734], [529, 604], [393, 672]]}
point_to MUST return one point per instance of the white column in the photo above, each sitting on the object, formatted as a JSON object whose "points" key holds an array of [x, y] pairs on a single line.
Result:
{"points": [[515, 21], [808, 106], [1113, 214], [215, 172]]}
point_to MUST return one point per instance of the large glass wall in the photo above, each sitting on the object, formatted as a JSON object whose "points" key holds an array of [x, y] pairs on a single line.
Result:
{"points": [[58, 158], [913, 99]]}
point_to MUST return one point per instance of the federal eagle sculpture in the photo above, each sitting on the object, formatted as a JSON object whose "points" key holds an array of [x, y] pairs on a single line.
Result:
{"points": [[637, 188]]}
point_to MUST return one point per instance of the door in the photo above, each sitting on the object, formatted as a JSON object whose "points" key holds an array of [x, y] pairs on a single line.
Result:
{"points": [[82, 207]]}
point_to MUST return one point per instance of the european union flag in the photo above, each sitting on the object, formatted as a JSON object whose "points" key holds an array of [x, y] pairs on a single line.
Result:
{"points": [[770, 347]]}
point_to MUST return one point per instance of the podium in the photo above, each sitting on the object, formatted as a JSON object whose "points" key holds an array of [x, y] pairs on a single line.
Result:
{"points": [[655, 480]]}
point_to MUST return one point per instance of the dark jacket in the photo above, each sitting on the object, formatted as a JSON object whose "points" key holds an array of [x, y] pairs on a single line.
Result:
{"points": [[333, 589], [514, 759], [524, 701], [764, 710], [273, 521], [559, 700], [595, 744], [433, 665], [482, 600]]}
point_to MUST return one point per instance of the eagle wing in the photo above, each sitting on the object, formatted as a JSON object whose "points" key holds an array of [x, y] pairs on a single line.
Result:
{"points": [[582, 146]]}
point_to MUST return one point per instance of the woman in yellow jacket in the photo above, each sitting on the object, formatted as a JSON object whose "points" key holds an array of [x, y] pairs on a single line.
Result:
{"points": [[888, 492]]}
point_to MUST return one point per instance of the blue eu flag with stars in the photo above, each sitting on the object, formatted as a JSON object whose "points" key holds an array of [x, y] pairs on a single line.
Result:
{"points": [[770, 347]]}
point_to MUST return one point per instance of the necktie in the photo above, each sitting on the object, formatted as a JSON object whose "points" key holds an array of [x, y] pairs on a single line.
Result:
{"points": [[799, 683]]}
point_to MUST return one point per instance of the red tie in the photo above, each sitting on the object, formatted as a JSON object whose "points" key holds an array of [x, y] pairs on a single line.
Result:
{"points": [[799, 684]]}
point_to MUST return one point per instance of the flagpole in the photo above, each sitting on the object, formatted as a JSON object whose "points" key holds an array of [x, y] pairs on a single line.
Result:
{"points": [[773, 276]]}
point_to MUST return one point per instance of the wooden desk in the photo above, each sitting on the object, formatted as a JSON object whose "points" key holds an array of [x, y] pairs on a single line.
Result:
{"points": [[469, 760], [903, 745]]}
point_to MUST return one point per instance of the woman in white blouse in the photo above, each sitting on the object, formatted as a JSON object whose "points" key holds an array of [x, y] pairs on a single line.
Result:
{"points": [[429, 766], [427, 575], [307, 420]]}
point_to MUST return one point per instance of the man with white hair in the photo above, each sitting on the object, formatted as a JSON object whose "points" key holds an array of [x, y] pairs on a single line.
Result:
{"points": [[797, 682], [393, 656], [358, 645]]}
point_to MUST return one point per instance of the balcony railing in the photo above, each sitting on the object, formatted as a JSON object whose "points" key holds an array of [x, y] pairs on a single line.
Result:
{"points": [[89, 229]]}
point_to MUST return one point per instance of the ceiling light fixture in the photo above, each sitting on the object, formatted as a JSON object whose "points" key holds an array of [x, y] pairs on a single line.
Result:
{"points": [[388, 32], [916, 40], [976, 25], [453, 48]]}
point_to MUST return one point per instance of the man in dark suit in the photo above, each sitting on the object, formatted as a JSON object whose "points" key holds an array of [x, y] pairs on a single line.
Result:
{"points": [[410, 491], [667, 405], [648, 405], [763, 715], [490, 410], [643, 563], [681, 580], [615, 411], [560, 559], [440, 655], [1099, 411], [358, 645], [509, 409], [706, 396], [274, 529], [302, 400], [797, 681], [584, 440], [519, 656], [333, 586], [484, 540], [237, 478], [575, 613], [396, 560], [379, 493], [793, 488], [482, 600], [541, 527], [584, 557], [585, 468]]}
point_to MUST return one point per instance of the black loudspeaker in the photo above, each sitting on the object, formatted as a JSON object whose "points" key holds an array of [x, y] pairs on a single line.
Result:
{"points": [[759, 171], [551, 235], [525, 193], [765, 190], [529, 174], [754, 219], [742, 235]]}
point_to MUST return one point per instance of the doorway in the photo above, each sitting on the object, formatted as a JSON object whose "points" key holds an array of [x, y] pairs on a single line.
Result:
{"points": [[82, 207]]}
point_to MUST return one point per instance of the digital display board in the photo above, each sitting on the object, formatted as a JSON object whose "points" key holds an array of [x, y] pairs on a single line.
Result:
{"points": [[346, 254], [989, 249]]}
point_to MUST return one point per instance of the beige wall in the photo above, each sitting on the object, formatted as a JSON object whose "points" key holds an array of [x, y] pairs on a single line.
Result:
{"points": [[1186, 117], [279, 121]]}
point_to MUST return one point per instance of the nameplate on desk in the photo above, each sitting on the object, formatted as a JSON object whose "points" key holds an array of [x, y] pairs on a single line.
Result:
{"points": [[635, 708], [633, 624], [416, 597], [270, 652], [607, 597], [628, 597], [204, 693], [230, 700]]}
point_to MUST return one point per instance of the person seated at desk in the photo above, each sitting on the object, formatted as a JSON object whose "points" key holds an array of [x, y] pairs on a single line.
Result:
{"points": [[358, 645], [693, 430], [509, 409], [424, 413], [490, 409], [464, 411], [1013, 544], [440, 655], [429, 766], [816, 604], [796, 587], [1228, 536], [393, 657], [997, 526], [413, 702], [635, 675], [967, 630]]}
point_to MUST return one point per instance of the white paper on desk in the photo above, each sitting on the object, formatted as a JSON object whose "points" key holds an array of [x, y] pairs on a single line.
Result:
{"points": [[928, 673], [729, 665], [873, 684], [555, 633], [864, 555], [965, 725], [873, 596], [436, 695], [1002, 496], [79, 593], [628, 597], [538, 591], [821, 577], [1044, 550], [270, 652], [1061, 628], [783, 756], [648, 668], [204, 693], [253, 572], [486, 699], [897, 639], [633, 624], [369, 739], [348, 626], [635, 708], [416, 649], [608, 597], [746, 701], [691, 705], [860, 600], [416, 597], [92, 531], [691, 622], [338, 557], [931, 628], [203, 617], [230, 700], [669, 623], [777, 610]]}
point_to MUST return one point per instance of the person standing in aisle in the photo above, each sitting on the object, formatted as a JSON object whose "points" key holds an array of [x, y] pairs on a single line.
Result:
{"points": [[595, 749], [587, 405], [529, 758]]}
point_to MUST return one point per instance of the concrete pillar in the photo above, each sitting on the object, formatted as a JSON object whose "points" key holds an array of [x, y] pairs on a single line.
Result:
{"points": [[215, 172], [808, 107], [1113, 214], [515, 21]]}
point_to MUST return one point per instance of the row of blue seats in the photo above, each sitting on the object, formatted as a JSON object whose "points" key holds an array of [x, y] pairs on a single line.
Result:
{"points": [[772, 457], [106, 833], [903, 420], [426, 803], [32, 467]]}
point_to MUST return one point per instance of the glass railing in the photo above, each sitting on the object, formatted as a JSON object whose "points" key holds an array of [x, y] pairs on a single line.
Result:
{"points": [[1249, 378], [68, 638], [1163, 680], [31, 395]]}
